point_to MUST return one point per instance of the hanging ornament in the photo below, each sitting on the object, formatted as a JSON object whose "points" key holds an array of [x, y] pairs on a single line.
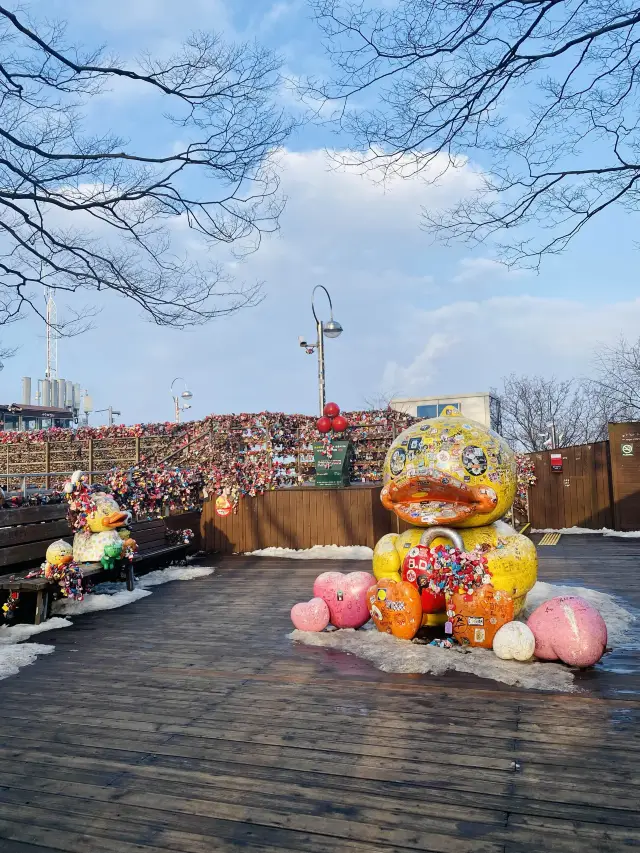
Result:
{"points": [[323, 424], [339, 424], [331, 410], [223, 505]]}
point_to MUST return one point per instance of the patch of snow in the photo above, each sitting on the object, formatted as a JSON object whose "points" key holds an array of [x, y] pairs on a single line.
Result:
{"points": [[99, 601], [318, 552], [601, 531], [174, 573], [566, 531], [18, 633], [504, 528], [13, 657], [392, 655], [14, 654], [110, 595], [621, 534]]}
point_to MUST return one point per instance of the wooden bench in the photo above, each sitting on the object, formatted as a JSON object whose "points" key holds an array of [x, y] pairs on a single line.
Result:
{"points": [[27, 532]]}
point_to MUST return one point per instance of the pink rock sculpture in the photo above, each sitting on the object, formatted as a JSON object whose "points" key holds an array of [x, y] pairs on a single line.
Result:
{"points": [[345, 596], [569, 629], [310, 615]]}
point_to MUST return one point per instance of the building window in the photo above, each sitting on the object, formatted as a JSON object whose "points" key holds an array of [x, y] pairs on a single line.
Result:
{"points": [[443, 406], [29, 423], [10, 423], [430, 411]]}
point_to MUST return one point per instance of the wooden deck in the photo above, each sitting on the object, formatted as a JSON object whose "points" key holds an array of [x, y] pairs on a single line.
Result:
{"points": [[189, 722]]}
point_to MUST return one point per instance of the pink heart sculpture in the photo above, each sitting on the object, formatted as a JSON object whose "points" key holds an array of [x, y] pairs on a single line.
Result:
{"points": [[310, 615], [346, 597], [569, 629]]}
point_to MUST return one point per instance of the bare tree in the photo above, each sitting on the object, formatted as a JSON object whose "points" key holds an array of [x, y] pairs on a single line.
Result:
{"points": [[615, 387], [90, 211], [536, 410], [380, 400], [542, 93]]}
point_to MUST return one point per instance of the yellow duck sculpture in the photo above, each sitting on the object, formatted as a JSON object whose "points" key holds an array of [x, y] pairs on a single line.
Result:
{"points": [[102, 529], [458, 478], [58, 554]]}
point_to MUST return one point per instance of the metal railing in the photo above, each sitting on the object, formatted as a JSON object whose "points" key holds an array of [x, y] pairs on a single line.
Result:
{"points": [[41, 475]]}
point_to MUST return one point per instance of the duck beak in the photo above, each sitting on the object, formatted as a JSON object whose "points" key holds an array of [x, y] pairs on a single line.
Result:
{"points": [[436, 498], [116, 519]]}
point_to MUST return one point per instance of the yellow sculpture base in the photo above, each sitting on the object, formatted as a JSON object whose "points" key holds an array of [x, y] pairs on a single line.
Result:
{"points": [[512, 561]]}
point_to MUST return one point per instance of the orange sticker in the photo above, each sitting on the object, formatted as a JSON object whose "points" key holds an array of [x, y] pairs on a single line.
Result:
{"points": [[479, 616]]}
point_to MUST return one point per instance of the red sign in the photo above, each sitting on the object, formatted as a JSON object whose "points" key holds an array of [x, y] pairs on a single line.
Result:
{"points": [[556, 461]]}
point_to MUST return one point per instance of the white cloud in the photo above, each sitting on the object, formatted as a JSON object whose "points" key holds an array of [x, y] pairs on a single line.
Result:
{"points": [[408, 327], [466, 345], [165, 19], [472, 269], [338, 216], [280, 9]]}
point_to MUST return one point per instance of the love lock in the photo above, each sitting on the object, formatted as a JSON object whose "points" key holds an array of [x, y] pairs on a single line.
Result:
{"points": [[442, 533]]}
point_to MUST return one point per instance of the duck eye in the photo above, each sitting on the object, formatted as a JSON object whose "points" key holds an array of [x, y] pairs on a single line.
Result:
{"points": [[474, 460]]}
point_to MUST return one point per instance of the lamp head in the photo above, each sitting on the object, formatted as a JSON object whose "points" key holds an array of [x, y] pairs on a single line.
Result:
{"points": [[332, 329]]}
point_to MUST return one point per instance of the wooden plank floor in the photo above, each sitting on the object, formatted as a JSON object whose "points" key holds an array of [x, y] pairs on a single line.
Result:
{"points": [[189, 722]]}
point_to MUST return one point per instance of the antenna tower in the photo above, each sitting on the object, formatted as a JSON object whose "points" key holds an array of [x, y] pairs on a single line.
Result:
{"points": [[52, 334]]}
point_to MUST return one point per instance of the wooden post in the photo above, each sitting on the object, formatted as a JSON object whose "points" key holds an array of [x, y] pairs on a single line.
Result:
{"points": [[47, 463], [39, 602], [137, 450], [90, 460]]}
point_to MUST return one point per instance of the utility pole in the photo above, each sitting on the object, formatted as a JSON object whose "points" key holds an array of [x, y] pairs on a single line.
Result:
{"points": [[111, 413], [52, 334]]}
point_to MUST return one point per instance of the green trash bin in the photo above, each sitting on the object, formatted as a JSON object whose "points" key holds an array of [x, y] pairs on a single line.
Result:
{"points": [[333, 468]]}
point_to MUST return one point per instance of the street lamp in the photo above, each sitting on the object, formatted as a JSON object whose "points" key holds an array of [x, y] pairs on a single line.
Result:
{"points": [[186, 395], [332, 329]]}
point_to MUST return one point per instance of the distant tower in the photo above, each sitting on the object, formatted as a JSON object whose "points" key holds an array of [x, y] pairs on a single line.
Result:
{"points": [[52, 334]]}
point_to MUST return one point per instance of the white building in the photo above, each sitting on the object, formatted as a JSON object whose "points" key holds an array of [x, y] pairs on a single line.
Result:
{"points": [[478, 407]]}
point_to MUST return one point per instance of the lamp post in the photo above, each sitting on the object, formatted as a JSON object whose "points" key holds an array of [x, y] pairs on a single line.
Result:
{"points": [[186, 395], [332, 329]]}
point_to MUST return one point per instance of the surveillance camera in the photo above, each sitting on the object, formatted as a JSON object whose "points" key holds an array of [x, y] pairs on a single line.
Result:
{"points": [[302, 341]]}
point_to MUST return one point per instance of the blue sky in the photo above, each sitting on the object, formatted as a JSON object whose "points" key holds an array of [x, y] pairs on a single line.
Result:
{"points": [[419, 318]]}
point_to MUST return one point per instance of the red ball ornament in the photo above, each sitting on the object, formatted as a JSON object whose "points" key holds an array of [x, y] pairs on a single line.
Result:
{"points": [[416, 570], [339, 424], [331, 410], [323, 424]]}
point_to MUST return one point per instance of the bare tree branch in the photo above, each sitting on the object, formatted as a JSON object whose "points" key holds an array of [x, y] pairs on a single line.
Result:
{"points": [[531, 404], [615, 386], [542, 94], [91, 212]]}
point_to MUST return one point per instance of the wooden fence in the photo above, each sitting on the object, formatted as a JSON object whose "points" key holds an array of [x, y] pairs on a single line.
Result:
{"points": [[624, 453], [298, 518], [579, 495], [598, 486]]}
